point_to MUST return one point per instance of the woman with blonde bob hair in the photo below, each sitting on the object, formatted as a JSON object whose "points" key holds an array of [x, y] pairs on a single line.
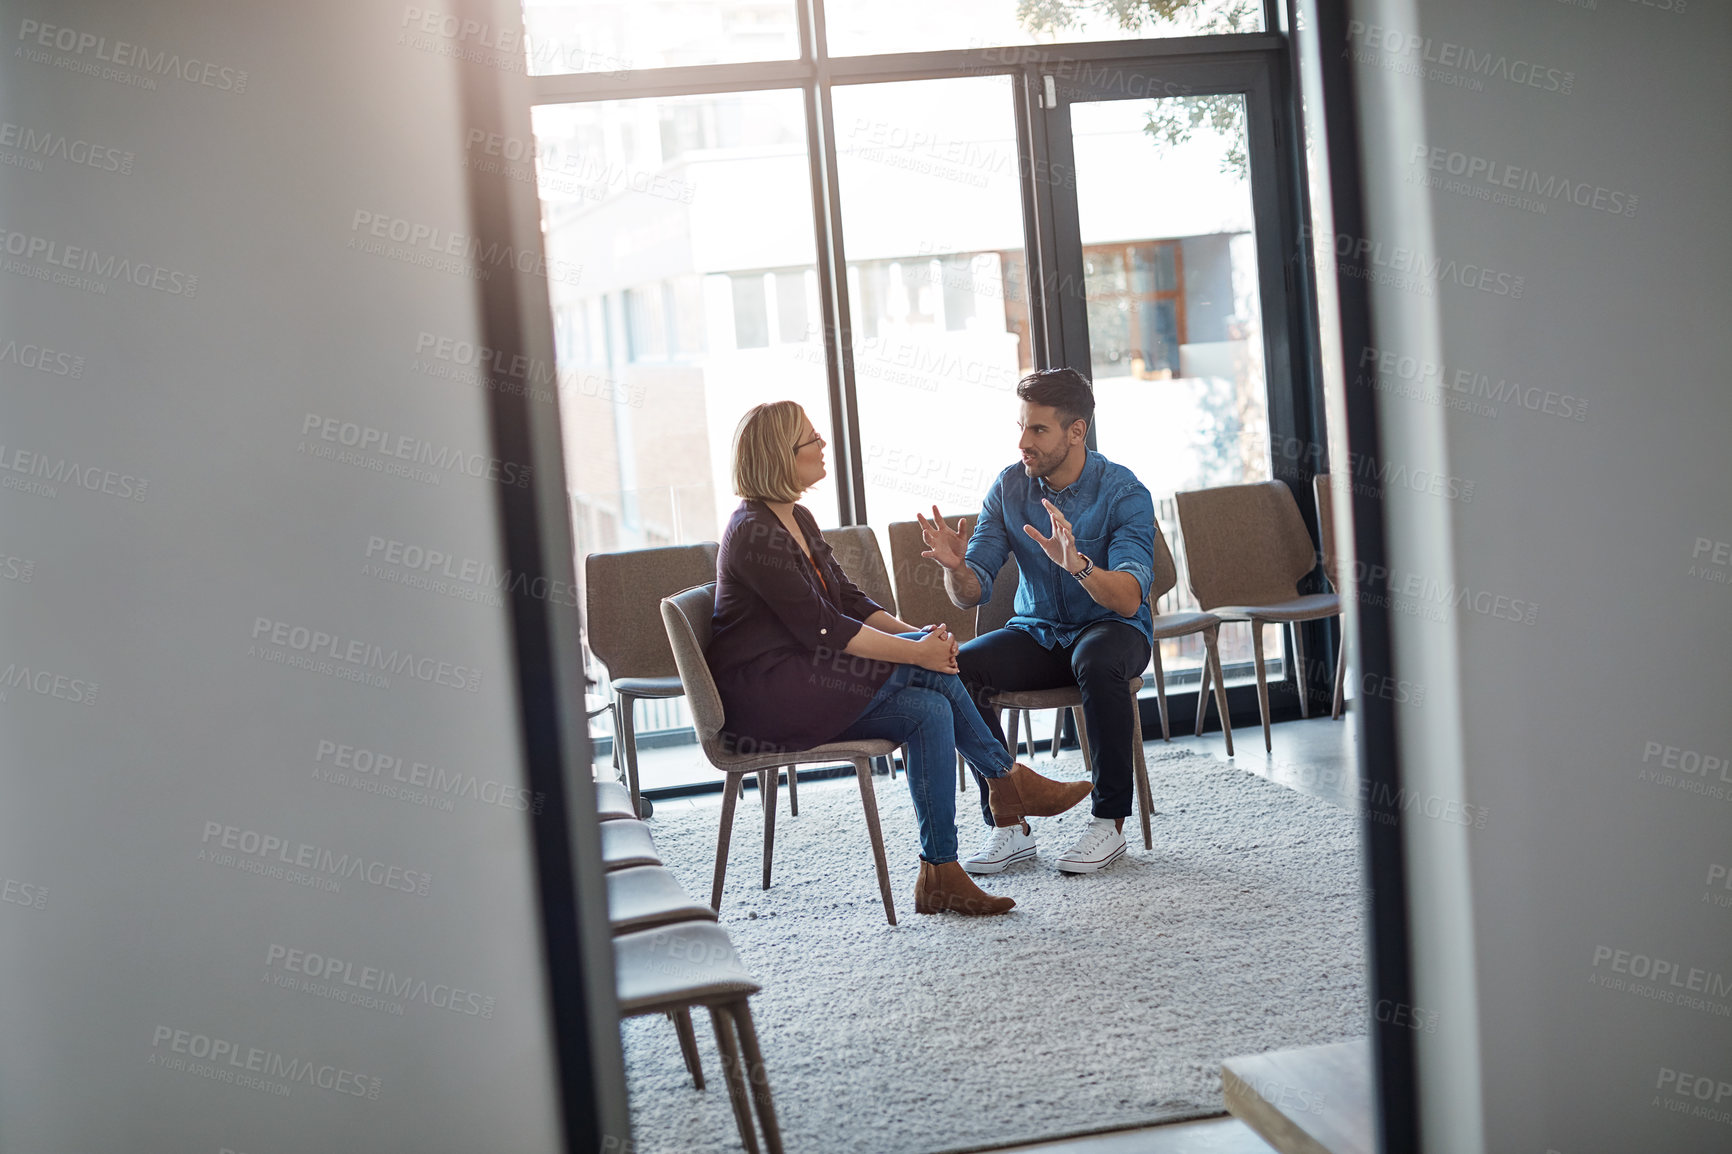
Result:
{"points": [[802, 657]]}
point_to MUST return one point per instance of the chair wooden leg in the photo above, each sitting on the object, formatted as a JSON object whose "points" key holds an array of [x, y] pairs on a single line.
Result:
{"points": [[961, 775], [730, 794], [1057, 731], [793, 791], [1301, 675], [689, 1045], [1010, 741], [1145, 795], [767, 779], [613, 717], [869, 803], [1262, 682], [1340, 673], [734, 1075], [1161, 692], [1211, 642], [758, 1077], [625, 739], [1203, 692], [1082, 739]]}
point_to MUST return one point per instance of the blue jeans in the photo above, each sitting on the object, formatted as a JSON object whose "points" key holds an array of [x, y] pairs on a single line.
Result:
{"points": [[933, 714]]}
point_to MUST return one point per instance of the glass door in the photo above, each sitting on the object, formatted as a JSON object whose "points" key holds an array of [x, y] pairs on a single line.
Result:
{"points": [[1167, 259]]}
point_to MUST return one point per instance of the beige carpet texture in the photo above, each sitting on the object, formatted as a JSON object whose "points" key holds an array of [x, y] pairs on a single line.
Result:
{"points": [[1102, 1001]]}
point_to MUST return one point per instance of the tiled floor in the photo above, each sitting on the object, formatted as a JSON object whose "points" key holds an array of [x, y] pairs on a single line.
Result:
{"points": [[1315, 757]]}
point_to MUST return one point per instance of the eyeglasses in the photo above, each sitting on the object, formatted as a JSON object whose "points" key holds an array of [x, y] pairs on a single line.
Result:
{"points": [[816, 440]]}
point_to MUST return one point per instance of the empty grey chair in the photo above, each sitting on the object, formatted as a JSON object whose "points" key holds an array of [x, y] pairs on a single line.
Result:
{"points": [[622, 614], [1247, 548], [687, 616], [1182, 624], [613, 803], [627, 843], [672, 969], [647, 898]]}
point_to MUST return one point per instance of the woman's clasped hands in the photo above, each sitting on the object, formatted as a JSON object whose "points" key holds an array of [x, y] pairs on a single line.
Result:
{"points": [[937, 649]]}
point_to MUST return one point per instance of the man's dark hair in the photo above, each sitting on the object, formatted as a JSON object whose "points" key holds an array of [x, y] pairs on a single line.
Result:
{"points": [[1066, 390]]}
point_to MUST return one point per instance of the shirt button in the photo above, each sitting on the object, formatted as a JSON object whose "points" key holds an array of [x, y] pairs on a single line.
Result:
{"points": [[821, 632]]}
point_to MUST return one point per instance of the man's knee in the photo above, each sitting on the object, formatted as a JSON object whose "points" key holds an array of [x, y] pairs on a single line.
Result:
{"points": [[974, 669], [973, 652], [1102, 666]]}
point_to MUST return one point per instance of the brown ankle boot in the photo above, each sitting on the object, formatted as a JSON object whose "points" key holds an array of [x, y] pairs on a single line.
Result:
{"points": [[1024, 793], [1005, 800], [948, 887]]}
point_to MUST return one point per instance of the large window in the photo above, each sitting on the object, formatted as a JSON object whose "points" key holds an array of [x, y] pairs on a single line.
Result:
{"points": [[691, 305], [910, 236], [932, 212]]}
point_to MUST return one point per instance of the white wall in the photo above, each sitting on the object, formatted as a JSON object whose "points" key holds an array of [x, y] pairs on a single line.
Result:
{"points": [[158, 601], [1593, 649]]}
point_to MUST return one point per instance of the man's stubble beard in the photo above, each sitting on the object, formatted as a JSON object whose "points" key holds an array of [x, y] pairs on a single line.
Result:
{"points": [[1044, 467]]}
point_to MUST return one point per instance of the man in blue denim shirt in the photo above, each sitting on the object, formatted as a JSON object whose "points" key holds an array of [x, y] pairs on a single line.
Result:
{"points": [[1083, 531]]}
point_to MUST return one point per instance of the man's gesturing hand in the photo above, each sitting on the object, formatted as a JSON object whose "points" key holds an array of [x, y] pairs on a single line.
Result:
{"points": [[1061, 546], [944, 545]]}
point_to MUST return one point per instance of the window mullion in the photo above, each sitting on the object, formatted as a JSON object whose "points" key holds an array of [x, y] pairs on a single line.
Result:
{"points": [[832, 265]]}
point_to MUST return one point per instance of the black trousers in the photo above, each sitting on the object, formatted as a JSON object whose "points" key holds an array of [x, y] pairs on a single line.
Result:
{"points": [[1100, 661]]}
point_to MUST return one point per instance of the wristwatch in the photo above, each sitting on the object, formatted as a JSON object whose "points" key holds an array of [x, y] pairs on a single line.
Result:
{"points": [[1088, 567]]}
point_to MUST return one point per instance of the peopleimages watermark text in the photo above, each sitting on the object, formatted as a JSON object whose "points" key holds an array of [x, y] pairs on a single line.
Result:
{"points": [[265, 853], [433, 243], [359, 762], [233, 1062], [367, 660], [88, 52]]}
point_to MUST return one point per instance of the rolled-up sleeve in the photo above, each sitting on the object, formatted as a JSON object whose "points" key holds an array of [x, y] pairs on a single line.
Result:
{"points": [[989, 544], [778, 577], [1131, 546], [854, 602]]}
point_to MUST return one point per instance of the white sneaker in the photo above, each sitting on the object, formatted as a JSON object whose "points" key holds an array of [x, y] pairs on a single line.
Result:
{"points": [[1003, 847], [1100, 845]]}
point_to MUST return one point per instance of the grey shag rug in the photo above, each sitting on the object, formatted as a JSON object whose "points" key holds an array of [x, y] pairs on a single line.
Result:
{"points": [[1100, 1002]]}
